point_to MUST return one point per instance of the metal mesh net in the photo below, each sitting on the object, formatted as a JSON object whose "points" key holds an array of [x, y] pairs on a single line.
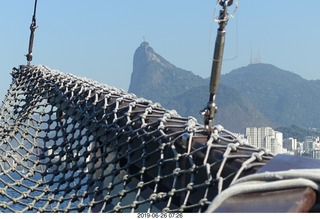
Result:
{"points": [[69, 144]]}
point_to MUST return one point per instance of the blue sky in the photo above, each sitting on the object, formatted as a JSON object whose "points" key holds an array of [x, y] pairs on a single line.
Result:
{"points": [[97, 38]]}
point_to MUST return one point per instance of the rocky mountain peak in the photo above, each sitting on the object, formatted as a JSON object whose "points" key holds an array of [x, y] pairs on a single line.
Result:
{"points": [[152, 74], [145, 54]]}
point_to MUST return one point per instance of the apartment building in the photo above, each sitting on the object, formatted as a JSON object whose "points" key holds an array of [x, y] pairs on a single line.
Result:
{"points": [[265, 137]]}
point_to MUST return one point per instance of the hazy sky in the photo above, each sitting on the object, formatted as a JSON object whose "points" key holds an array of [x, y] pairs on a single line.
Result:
{"points": [[97, 38]]}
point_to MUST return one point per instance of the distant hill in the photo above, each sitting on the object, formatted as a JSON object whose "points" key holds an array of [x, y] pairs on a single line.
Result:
{"points": [[235, 111], [296, 132], [156, 79], [255, 95], [283, 97]]}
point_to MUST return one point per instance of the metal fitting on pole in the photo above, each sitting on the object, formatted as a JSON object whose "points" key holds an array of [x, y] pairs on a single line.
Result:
{"points": [[33, 27], [211, 108]]}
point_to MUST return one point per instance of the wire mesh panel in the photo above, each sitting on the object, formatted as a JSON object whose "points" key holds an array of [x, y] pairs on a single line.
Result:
{"points": [[69, 144]]}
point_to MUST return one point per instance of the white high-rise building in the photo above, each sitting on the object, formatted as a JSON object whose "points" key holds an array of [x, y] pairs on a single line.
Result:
{"points": [[265, 137], [277, 148], [316, 152], [252, 136], [316, 148], [265, 134], [290, 144], [308, 144]]}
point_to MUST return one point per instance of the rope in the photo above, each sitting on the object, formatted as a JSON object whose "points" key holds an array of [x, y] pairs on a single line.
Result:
{"points": [[269, 181]]}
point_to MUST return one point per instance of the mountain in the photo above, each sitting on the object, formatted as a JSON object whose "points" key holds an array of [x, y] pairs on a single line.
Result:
{"points": [[285, 98], [156, 79], [254, 95], [235, 111], [296, 132]]}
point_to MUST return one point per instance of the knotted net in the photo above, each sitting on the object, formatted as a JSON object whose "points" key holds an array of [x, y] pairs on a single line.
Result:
{"points": [[69, 144]]}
